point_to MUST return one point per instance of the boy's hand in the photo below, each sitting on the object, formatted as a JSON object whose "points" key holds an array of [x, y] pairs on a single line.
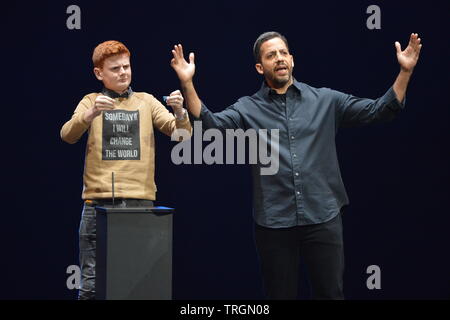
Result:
{"points": [[175, 100], [101, 103]]}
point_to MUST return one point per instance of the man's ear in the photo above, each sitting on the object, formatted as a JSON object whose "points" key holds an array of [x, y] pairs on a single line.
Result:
{"points": [[259, 68], [292, 57], [98, 73]]}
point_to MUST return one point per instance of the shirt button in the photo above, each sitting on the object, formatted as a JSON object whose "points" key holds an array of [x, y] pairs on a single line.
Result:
{"points": [[295, 156], [298, 193], [292, 137], [296, 174]]}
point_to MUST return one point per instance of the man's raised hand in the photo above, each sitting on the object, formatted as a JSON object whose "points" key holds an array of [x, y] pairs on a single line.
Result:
{"points": [[408, 58], [185, 71]]}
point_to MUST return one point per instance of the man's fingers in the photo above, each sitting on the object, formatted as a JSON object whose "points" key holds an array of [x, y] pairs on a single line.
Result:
{"points": [[418, 43], [415, 42], [178, 55], [174, 56], [398, 47], [176, 52], [179, 51], [419, 47]]}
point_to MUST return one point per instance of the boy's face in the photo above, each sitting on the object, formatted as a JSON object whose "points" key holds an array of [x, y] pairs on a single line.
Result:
{"points": [[115, 73]]}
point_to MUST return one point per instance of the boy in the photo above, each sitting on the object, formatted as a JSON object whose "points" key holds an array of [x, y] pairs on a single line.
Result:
{"points": [[120, 124]]}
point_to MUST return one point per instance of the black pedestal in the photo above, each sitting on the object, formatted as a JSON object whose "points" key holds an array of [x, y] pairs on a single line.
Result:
{"points": [[134, 253]]}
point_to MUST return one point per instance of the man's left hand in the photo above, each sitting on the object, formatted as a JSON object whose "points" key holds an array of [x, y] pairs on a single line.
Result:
{"points": [[408, 58]]}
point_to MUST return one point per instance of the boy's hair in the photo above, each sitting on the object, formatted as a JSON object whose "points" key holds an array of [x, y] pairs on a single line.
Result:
{"points": [[263, 38], [107, 49]]}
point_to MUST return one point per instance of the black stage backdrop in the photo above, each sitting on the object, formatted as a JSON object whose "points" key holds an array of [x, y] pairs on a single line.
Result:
{"points": [[396, 174]]}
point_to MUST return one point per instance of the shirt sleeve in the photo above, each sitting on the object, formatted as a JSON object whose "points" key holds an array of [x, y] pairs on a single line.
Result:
{"points": [[229, 118], [354, 111], [73, 129]]}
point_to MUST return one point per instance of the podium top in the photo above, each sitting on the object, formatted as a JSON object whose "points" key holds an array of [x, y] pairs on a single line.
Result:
{"points": [[158, 210]]}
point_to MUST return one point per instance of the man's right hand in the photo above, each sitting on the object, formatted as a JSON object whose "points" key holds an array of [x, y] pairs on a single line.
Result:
{"points": [[185, 71], [101, 103]]}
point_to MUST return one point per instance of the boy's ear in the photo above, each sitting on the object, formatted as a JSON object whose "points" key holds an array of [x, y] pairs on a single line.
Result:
{"points": [[98, 73]]}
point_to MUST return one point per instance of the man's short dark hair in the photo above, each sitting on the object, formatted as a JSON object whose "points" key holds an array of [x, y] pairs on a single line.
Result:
{"points": [[263, 38]]}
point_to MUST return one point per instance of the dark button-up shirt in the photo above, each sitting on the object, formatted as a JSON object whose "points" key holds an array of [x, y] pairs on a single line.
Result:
{"points": [[308, 188]]}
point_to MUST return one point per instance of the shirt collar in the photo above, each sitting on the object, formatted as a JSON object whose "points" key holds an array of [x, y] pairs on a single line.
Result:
{"points": [[266, 91], [112, 94]]}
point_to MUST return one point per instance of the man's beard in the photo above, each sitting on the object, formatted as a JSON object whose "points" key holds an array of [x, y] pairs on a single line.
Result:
{"points": [[280, 82]]}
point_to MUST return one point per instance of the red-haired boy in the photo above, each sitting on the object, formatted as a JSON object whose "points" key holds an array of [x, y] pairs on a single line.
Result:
{"points": [[120, 124]]}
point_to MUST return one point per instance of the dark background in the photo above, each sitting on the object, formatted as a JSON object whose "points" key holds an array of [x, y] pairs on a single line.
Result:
{"points": [[396, 174]]}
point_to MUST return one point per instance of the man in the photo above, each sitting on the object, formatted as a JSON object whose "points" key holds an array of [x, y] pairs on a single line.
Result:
{"points": [[121, 140], [298, 210]]}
